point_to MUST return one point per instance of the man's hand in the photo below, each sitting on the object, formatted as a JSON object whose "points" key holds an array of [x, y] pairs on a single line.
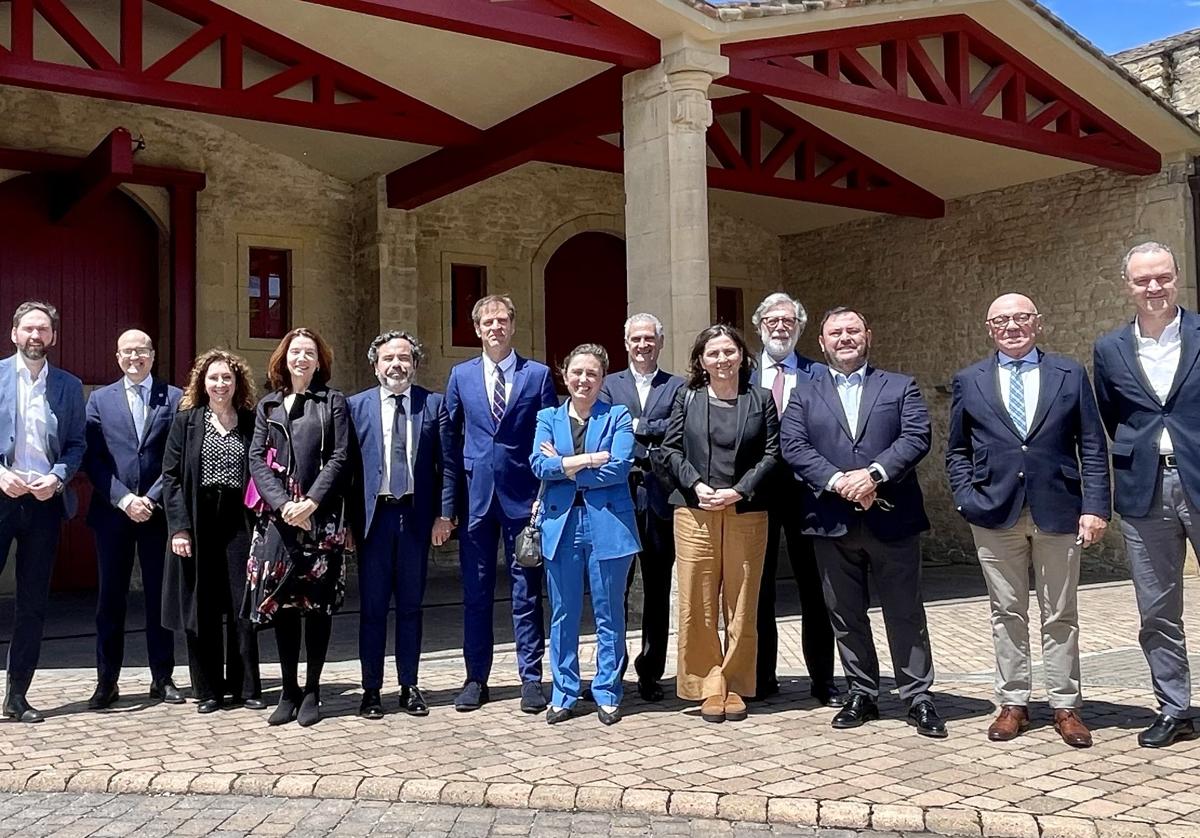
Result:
{"points": [[139, 510], [45, 487], [1091, 529], [867, 501], [181, 544], [855, 485], [12, 485], [442, 528]]}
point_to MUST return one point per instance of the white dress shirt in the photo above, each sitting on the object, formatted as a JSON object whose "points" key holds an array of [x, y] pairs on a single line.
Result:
{"points": [[387, 406], [489, 376], [30, 460], [642, 383], [769, 368], [1160, 361], [1031, 377], [849, 389]]}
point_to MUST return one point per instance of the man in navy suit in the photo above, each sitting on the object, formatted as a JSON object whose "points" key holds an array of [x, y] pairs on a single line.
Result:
{"points": [[399, 427], [41, 447], [127, 425], [1148, 389], [648, 392], [780, 321], [854, 435], [1028, 466], [492, 402]]}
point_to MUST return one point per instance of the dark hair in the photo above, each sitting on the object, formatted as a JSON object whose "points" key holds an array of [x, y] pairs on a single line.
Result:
{"points": [[594, 349], [36, 305], [697, 375], [277, 373], [418, 349], [195, 394], [836, 310]]}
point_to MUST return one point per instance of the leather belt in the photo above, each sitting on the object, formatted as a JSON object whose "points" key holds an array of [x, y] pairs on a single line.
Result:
{"points": [[1169, 461], [389, 500]]}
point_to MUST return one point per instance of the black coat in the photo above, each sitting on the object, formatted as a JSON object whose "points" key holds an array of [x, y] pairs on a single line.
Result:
{"points": [[181, 493]]}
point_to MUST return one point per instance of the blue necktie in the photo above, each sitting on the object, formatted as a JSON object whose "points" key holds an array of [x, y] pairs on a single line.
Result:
{"points": [[139, 411], [398, 480], [498, 401], [1016, 396]]}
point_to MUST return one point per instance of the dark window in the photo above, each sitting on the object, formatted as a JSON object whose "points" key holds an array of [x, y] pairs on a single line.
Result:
{"points": [[729, 307], [270, 292], [468, 284]]}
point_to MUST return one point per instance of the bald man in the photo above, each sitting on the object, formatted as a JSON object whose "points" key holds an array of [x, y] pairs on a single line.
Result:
{"points": [[127, 424], [1028, 465]]}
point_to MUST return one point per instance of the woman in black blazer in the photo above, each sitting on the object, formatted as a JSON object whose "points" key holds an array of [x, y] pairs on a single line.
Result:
{"points": [[205, 472], [722, 441]]}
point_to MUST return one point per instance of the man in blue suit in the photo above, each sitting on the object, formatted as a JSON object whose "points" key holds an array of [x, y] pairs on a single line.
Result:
{"points": [[127, 425], [648, 392], [1148, 389], [780, 321], [399, 428], [1028, 466], [41, 447], [854, 435], [492, 402]]}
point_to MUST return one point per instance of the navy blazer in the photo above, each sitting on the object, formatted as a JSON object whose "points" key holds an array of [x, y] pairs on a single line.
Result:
{"points": [[117, 462], [1059, 468], [1134, 417], [620, 388], [430, 426], [493, 461], [66, 438], [784, 485], [894, 431]]}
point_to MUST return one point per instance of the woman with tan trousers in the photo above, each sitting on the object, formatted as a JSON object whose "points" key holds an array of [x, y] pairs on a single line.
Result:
{"points": [[721, 442]]}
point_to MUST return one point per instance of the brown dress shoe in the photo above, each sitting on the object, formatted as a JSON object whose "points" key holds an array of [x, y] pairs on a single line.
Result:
{"points": [[735, 708], [1072, 729], [713, 709], [1011, 723]]}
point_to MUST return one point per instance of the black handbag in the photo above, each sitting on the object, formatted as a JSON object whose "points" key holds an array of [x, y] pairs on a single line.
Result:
{"points": [[528, 546]]}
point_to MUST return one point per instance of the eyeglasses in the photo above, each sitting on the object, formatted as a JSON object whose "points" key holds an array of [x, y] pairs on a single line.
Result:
{"points": [[134, 353], [772, 322], [1021, 318]]}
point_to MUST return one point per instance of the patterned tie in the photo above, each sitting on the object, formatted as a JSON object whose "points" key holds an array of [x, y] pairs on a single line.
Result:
{"points": [[398, 480], [498, 396], [1016, 396], [777, 387], [138, 408]]}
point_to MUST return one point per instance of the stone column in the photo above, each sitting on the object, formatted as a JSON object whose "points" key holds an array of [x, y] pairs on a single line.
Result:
{"points": [[666, 116]]}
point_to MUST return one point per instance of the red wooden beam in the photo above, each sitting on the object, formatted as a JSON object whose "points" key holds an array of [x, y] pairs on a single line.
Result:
{"points": [[348, 101], [102, 171], [828, 69], [23, 160], [590, 108], [570, 27]]}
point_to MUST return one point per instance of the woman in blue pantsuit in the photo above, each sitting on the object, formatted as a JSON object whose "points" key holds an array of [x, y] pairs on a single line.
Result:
{"points": [[582, 452]]}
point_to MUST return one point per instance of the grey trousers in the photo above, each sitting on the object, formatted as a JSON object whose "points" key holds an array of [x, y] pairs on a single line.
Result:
{"points": [[1156, 547], [894, 569]]}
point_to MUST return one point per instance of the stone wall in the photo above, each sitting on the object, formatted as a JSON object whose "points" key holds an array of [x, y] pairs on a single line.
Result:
{"points": [[926, 286], [1170, 68]]}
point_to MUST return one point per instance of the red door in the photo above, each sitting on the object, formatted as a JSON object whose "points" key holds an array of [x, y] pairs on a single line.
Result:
{"points": [[102, 275], [586, 299]]}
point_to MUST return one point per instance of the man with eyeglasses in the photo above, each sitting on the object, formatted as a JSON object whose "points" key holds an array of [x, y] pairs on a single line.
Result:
{"points": [[1148, 389], [855, 434], [780, 321], [127, 425], [1028, 466]]}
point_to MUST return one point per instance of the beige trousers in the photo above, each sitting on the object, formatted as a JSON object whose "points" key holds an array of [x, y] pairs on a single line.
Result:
{"points": [[1005, 556], [718, 562]]}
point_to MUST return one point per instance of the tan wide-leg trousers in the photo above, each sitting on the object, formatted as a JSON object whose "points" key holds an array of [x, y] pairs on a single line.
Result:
{"points": [[719, 561]]}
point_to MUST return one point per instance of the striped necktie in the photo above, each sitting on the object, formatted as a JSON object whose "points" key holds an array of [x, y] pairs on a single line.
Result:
{"points": [[498, 401], [1016, 396]]}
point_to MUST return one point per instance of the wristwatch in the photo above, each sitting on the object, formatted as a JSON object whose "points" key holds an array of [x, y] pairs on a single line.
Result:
{"points": [[875, 473]]}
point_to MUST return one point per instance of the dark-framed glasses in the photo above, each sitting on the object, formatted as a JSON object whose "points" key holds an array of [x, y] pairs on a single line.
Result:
{"points": [[1021, 318]]}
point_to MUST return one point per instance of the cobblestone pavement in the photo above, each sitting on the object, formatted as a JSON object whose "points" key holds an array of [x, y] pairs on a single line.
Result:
{"points": [[33, 815], [782, 765]]}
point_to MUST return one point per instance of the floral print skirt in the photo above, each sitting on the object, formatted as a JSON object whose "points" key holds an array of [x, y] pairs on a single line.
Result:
{"points": [[295, 568]]}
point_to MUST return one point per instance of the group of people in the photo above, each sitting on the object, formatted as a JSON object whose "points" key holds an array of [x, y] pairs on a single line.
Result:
{"points": [[244, 517]]}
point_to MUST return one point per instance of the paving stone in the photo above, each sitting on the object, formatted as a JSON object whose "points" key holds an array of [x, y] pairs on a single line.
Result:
{"points": [[1008, 825], [897, 818], [598, 799], [1124, 829], [212, 783], [337, 785], [15, 780], [258, 785], [845, 814], [463, 793], [1056, 826], [793, 810], [131, 782], [645, 801], [693, 804], [510, 795], [947, 821], [380, 788], [295, 785], [422, 791], [552, 798], [49, 780], [172, 782], [742, 807]]}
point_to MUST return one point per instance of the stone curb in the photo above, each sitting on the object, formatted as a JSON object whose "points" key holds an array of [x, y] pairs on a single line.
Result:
{"points": [[797, 811]]}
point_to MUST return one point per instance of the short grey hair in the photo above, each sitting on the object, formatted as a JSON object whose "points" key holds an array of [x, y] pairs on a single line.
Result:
{"points": [[778, 299], [644, 317], [418, 349], [1147, 247]]}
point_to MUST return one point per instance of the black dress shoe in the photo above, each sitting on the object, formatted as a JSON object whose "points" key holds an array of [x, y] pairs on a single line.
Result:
{"points": [[1165, 731], [607, 717], [767, 687], [829, 696], [255, 702], [554, 715], [533, 700], [859, 710], [16, 707], [473, 696], [209, 705], [310, 710], [372, 705], [924, 717], [649, 691], [105, 696], [412, 702], [586, 695], [285, 711], [167, 692]]}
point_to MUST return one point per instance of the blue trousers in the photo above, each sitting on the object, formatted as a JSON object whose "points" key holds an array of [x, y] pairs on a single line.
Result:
{"points": [[567, 571], [35, 525], [392, 565], [477, 560]]}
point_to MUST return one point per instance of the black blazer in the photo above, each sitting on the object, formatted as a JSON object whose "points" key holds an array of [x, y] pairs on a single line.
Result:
{"points": [[650, 425], [687, 442]]}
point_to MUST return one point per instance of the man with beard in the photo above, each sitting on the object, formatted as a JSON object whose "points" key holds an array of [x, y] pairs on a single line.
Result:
{"points": [[854, 435], [780, 321], [41, 447], [399, 428], [648, 392]]}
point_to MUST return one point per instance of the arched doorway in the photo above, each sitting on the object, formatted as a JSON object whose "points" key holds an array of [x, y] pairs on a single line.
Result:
{"points": [[586, 298], [101, 272]]}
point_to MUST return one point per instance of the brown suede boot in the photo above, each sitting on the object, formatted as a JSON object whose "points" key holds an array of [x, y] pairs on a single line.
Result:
{"points": [[735, 708], [713, 709], [1011, 723]]}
